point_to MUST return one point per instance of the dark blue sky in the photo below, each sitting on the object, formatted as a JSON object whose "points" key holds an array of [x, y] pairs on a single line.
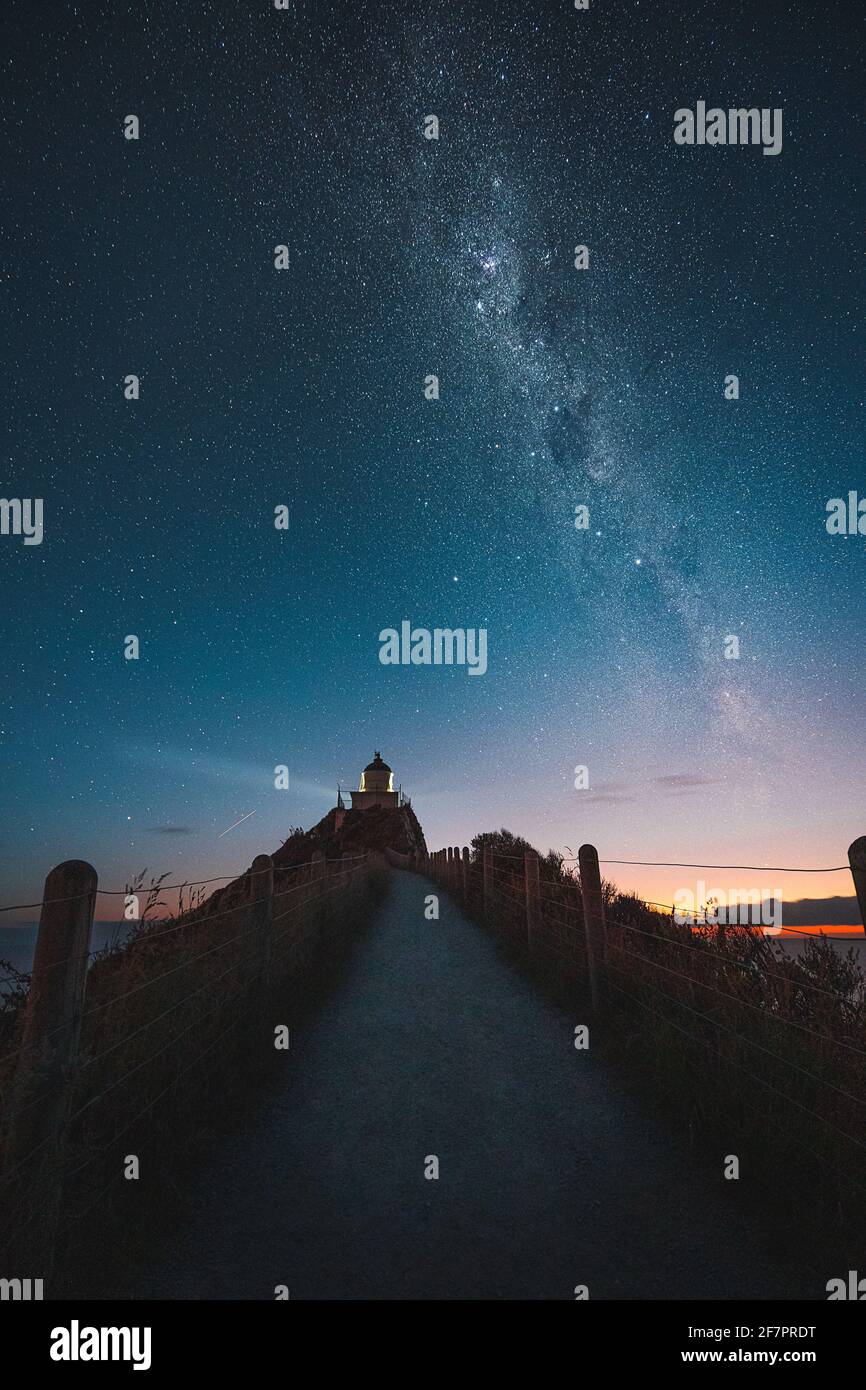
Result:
{"points": [[558, 388]]}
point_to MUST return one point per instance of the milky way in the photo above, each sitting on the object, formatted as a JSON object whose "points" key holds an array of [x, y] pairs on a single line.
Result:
{"points": [[559, 388]]}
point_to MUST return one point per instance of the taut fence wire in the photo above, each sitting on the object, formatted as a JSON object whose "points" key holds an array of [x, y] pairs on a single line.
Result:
{"points": [[111, 1050], [735, 1032]]}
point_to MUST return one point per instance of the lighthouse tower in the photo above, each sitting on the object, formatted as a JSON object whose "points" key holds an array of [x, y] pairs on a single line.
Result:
{"points": [[376, 787]]}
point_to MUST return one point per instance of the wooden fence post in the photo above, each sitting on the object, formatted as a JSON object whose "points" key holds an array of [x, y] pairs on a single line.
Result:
{"points": [[593, 915], [533, 894], [464, 870], [261, 921], [487, 876], [49, 1052], [857, 860]]}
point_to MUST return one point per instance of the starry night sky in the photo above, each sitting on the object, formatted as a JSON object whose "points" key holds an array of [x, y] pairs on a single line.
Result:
{"points": [[558, 388]]}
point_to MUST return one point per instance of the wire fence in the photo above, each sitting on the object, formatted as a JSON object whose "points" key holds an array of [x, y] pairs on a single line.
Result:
{"points": [[100, 1069], [106, 1059], [763, 1047]]}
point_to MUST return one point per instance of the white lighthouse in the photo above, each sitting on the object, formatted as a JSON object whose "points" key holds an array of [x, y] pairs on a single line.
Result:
{"points": [[376, 787]]}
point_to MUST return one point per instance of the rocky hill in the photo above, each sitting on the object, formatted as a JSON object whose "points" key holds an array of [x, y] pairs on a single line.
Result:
{"points": [[378, 828]]}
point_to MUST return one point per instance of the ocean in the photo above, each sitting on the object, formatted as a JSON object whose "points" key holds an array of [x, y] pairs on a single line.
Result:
{"points": [[18, 941]]}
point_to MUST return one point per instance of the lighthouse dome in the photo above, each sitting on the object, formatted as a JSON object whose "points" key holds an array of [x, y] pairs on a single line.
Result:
{"points": [[377, 765], [377, 776]]}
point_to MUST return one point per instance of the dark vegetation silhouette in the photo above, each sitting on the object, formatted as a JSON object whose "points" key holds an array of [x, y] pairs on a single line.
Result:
{"points": [[750, 1050], [177, 1028]]}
